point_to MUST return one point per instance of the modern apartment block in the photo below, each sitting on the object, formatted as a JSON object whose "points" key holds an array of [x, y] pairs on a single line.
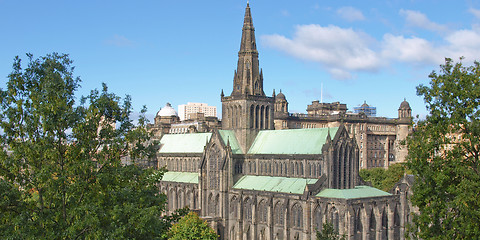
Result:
{"points": [[185, 110]]}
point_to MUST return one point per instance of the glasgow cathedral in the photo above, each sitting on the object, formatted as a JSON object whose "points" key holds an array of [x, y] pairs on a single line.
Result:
{"points": [[254, 177]]}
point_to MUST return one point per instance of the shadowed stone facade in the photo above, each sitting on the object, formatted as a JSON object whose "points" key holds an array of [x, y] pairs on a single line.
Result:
{"points": [[379, 138], [252, 182]]}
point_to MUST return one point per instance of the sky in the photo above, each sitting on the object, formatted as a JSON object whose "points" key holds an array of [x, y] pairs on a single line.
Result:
{"points": [[186, 50]]}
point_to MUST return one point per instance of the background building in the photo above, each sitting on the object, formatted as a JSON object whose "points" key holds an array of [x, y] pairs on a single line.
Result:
{"points": [[185, 110], [379, 138], [167, 121], [365, 108]]}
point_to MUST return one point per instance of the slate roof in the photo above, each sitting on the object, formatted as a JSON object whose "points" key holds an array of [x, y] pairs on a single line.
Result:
{"points": [[354, 193], [273, 184], [291, 141], [181, 177], [184, 143], [229, 136]]}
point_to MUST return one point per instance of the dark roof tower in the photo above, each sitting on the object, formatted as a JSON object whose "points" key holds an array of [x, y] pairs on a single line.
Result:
{"points": [[248, 79]]}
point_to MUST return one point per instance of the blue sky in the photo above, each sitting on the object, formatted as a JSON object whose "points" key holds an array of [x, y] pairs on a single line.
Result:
{"points": [[186, 51]]}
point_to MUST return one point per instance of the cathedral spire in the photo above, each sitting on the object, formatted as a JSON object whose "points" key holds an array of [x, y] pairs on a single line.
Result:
{"points": [[248, 33], [248, 80], [247, 110]]}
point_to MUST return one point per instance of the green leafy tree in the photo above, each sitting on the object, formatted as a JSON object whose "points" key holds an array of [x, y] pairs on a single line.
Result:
{"points": [[444, 153], [191, 227], [61, 175], [329, 233], [384, 179]]}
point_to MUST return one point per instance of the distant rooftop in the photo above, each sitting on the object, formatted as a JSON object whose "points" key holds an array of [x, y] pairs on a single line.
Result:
{"points": [[273, 184], [181, 177], [184, 143], [291, 141]]}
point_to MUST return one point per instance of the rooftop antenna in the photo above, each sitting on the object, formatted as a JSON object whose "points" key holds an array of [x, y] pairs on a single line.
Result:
{"points": [[321, 92]]}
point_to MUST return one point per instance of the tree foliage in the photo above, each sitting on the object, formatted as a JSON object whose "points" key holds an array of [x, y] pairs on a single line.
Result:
{"points": [[444, 155], [329, 233], [383, 179], [191, 227], [61, 175]]}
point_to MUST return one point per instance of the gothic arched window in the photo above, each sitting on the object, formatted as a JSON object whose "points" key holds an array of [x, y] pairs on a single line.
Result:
{"points": [[358, 222], [247, 210], [263, 212], [318, 218], [372, 222], [297, 216], [267, 117], [211, 205], [252, 117], [278, 214]]}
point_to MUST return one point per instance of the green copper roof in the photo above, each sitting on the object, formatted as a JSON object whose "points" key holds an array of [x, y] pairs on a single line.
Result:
{"points": [[181, 177], [273, 184], [357, 192], [229, 136], [291, 141], [184, 143]]}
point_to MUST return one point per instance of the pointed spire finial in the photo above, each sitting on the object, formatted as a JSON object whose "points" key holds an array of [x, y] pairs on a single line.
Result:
{"points": [[221, 94], [274, 93]]}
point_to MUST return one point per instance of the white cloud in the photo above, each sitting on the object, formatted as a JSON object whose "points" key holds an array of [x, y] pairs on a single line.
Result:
{"points": [[350, 14], [343, 52], [418, 19], [475, 12], [463, 43], [338, 48], [413, 50], [119, 41]]}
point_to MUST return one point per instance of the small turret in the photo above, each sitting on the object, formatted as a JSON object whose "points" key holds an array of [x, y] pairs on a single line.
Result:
{"points": [[281, 105], [404, 111]]}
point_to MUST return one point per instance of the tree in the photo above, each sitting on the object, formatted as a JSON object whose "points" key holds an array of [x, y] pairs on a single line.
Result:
{"points": [[192, 227], [329, 233], [384, 179], [444, 153], [61, 175]]}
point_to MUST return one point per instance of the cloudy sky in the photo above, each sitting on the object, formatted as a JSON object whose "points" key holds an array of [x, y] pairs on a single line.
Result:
{"points": [[186, 51]]}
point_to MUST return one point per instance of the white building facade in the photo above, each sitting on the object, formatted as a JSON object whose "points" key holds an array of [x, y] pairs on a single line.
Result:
{"points": [[185, 109]]}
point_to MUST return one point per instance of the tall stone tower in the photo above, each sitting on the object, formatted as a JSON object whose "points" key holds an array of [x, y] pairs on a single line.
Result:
{"points": [[403, 130], [247, 110]]}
